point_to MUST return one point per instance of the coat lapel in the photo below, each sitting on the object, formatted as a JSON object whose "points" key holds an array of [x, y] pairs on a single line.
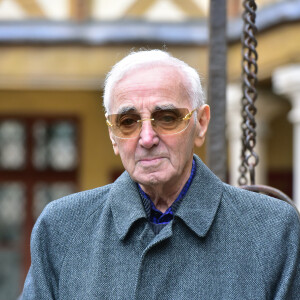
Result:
{"points": [[199, 207]]}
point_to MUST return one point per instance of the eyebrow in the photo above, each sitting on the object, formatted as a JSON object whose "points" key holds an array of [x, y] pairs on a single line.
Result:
{"points": [[165, 107], [127, 109], [132, 109]]}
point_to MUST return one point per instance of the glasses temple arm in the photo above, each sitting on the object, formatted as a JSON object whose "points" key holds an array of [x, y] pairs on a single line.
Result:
{"points": [[108, 123], [189, 115]]}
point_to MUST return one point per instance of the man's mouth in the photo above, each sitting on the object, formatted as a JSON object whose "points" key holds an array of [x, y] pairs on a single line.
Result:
{"points": [[150, 161]]}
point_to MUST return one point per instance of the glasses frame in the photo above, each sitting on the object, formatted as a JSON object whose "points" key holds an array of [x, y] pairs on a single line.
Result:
{"points": [[187, 117]]}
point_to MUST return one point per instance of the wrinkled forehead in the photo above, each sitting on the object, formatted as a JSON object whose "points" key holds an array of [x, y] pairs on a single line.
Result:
{"points": [[149, 87]]}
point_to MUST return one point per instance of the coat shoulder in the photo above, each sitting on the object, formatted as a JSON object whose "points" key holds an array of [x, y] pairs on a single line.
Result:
{"points": [[78, 205], [259, 209], [62, 218]]}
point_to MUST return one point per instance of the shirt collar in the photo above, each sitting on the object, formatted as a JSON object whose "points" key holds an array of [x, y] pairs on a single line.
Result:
{"points": [[197, 210]]}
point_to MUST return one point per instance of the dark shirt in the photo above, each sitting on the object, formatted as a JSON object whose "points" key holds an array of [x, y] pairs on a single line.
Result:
{"points": [[158, 219]]}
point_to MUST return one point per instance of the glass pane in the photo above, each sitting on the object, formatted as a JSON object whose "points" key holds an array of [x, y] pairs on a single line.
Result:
{"points": [[12, 211], [10, 274], [55, 146], [40, 145], [45, 193], [12, 145]]}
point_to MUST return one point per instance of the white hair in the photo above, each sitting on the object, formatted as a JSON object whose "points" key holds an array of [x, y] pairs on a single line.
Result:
{"points": [[146, 58]]}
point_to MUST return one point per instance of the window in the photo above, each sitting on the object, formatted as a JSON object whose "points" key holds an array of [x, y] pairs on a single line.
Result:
{"points": [[39, 162]]}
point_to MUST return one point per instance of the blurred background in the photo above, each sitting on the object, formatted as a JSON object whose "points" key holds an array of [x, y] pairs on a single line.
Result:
{"points": [[54, 56]]}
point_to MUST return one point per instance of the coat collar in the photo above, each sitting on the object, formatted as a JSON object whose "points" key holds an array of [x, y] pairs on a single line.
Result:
{"points": [[199, 206], [126, 204], [197, 209]]}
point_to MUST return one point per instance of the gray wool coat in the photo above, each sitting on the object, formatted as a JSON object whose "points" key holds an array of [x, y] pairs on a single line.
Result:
{"points": [[224, 243]]}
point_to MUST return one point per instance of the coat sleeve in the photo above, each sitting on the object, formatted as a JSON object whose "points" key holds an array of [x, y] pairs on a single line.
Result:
{"points": [[42, 279], [48, 247], [288, 284], [51, 238]]}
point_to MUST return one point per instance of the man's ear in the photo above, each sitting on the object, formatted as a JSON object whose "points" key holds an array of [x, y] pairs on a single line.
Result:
{"points": [[203, 117], [114, 144]]}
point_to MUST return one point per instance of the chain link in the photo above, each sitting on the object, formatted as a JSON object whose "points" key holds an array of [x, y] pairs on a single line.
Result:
{"points": [[249, 159]]}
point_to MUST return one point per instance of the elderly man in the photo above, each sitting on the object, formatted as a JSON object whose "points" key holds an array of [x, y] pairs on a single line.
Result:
{"points": [[167, 228]]}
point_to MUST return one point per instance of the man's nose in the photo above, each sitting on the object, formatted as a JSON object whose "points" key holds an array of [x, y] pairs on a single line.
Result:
{"points": [[148, 137]]}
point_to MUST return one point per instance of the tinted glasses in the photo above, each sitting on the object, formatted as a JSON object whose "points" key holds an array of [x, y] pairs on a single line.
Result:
{"points": [[164, 121]]}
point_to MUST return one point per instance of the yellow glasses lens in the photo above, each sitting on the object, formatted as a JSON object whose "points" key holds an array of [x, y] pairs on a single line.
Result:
{"points": [[164, 121]]}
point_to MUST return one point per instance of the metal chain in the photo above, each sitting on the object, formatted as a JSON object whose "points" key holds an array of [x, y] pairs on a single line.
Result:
{"points": [[249, 159]]}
